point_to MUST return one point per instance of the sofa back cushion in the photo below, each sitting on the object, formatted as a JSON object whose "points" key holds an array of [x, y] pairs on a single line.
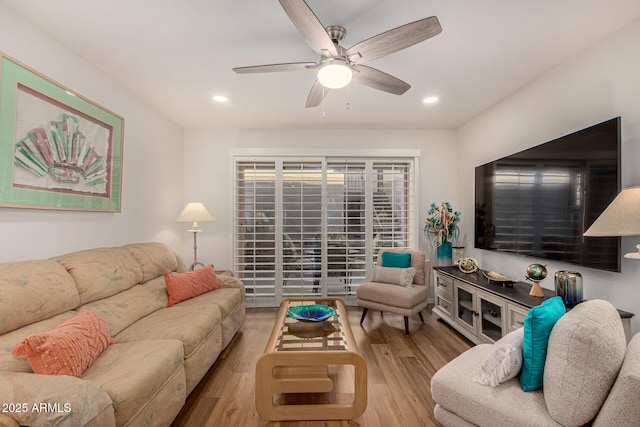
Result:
{"points": [[34, 290], [102, 272], [155, 258], [127, 307], [586, 349], [621, 407]]}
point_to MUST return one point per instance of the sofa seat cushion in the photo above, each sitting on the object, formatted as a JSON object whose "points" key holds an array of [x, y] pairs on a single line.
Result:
{"points": [[132, 373], [102, 272], [226, 299], [34, 291], [190, 325], [127, 307], [74, 401], [392, 295], [453, 388]]}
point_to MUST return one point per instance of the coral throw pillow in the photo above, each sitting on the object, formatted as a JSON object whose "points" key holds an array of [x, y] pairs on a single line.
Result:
{"points": [[68, 349], [190, 284]]}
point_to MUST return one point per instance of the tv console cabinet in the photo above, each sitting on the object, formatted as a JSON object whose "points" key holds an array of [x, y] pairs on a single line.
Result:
{"points": [[484, 311]]}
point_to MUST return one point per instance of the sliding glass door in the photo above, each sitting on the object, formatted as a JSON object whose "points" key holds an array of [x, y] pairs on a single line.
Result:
{"points": [[314, 226]]}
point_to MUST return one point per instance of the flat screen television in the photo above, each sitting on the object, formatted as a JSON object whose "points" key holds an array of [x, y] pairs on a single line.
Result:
{"points": [[540, 201]]}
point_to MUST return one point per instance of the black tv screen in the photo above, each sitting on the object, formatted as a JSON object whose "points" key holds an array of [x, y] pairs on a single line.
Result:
{"points": [[540, 201]]}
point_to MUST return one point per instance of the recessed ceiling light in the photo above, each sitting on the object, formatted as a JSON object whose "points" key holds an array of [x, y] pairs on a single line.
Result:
{"points": [[220, 98], [430, 99]]}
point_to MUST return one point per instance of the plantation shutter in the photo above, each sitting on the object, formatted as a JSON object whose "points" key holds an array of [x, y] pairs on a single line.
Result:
{"points": [[392, 204], [313, 226], [302, 202], [255, 236]]}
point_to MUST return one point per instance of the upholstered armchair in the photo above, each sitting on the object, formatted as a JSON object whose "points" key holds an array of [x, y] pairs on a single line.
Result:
{"points": [[400, 289]]}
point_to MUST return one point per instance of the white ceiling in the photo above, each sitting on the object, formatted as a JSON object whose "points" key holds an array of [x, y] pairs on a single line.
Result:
{"points": [[175, 55]]}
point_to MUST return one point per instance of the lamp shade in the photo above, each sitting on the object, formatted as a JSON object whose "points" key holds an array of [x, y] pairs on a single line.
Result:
{"points": [[195, 212], [620, 218], [334, 73]]}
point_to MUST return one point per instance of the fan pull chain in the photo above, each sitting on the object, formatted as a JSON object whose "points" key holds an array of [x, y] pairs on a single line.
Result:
{"points": [[348, 104], [323, 114]]}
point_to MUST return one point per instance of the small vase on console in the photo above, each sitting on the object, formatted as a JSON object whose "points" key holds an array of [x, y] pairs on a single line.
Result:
{"points": [[569, 287], [445, 254]]}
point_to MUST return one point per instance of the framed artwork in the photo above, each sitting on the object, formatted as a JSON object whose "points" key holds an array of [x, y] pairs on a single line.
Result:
{"points": [[58, 150]]}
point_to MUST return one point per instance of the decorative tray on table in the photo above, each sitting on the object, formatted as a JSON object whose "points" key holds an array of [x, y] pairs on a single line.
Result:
{"points": [[311, 313]]}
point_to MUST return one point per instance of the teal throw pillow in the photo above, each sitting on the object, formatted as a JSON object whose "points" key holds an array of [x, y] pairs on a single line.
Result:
{"points": [[395, 259], [537, 328]]}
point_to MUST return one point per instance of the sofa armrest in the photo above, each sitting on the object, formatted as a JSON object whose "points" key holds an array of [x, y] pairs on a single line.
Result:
{"points": [[7, 421], [32, 399], [229, 281]]}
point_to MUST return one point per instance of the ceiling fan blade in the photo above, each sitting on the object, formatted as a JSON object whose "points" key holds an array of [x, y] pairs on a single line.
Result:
{"points": [[316, 95], [272, 68], [394, 40], [379, 80], [309, 26]]}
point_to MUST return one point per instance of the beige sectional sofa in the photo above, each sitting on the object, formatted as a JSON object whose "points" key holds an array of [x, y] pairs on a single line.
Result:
{"points": [[159, 355], [591, 377]]}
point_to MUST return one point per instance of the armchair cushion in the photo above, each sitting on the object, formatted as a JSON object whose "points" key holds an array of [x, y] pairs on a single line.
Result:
{"points": [[394, 276], [396, 259], [391, 295]]}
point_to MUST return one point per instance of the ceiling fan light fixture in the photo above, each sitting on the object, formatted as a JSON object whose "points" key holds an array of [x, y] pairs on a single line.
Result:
{"points": [[334, 73]]}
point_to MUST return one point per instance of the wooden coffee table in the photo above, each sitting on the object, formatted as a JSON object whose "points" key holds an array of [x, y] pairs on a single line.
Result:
{"points": [[295, 377]]}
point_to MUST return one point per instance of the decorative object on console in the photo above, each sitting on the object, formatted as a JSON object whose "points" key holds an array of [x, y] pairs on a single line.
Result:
{"points": [[195, 212], [492, 276], [468, 265], [569, 287], [620, 218], [458, 254], [440, 228], [536, 273]]}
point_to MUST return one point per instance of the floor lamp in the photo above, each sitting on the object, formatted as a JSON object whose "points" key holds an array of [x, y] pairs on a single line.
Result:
{"points": [[620, 218], [195, 212]]}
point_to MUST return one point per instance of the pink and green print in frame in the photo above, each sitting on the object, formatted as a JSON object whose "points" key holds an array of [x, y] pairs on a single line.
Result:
{"points": [[58, 150]]}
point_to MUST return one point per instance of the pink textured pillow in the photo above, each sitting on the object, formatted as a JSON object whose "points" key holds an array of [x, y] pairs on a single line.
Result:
{"points": [[190, 284], [68, 349]]}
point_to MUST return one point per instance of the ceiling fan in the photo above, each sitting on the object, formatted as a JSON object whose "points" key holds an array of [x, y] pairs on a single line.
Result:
{"points": [[339, 66]]}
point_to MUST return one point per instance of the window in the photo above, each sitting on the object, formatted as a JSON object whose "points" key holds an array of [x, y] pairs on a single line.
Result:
{"points": [[313, 226]]}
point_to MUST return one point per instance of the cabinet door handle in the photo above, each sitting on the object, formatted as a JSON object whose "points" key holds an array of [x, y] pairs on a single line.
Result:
{"points": [[519, 323], [475, 313], [442, 285]]}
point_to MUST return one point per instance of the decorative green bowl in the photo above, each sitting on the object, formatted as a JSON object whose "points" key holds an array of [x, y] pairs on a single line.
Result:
{"points": [[311, 313]]}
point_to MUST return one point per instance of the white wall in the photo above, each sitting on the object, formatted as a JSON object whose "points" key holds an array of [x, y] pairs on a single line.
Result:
{"points": [[152, 171], [597, 84], [208, 174]]}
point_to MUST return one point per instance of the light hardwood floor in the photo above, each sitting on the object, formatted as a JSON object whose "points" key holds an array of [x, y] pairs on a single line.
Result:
{"points": [[399, 373]]}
